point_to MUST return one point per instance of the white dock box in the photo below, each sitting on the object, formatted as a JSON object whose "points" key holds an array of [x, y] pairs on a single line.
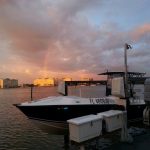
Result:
{"points": [[113, 119], [85, 128]]}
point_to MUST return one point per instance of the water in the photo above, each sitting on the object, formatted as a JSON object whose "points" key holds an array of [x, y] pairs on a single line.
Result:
{"points": [[18, 133]]}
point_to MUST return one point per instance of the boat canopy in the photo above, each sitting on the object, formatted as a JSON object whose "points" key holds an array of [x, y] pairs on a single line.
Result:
{"points": [[120, 74]]}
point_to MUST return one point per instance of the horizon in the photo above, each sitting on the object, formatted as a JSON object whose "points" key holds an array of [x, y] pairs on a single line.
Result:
{"points": [[72, 38], [56, 78]]}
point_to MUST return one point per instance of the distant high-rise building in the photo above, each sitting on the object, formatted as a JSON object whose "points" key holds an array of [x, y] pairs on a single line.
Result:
{"points": [[1, 83], [8, 83], [44, 82]]}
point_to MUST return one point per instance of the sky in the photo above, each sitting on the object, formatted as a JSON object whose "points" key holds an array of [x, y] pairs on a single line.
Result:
{"points": [[73, 38]]}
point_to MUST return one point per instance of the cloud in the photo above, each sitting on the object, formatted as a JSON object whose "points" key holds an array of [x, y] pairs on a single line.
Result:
{"points": [[142, 33], [57, 37]]}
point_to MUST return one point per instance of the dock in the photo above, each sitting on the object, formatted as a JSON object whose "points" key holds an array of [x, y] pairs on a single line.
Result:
{"points": [[83, 130]]}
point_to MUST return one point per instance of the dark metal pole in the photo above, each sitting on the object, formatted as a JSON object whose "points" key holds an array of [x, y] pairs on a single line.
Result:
{"points": [[66, 88], [31, 85], [31, 93], [126, 71], [127, 46], [124, 135]]}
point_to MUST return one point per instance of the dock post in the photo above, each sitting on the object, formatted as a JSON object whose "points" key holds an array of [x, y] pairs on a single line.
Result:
{"points": [[80, 92], [66, 140], [66, 89], [82, 147], [31, 86], [31, 93], [125, 136]]}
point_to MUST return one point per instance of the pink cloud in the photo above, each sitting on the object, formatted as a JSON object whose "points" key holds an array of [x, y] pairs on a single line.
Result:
{"points": [[57, 37], [141, 32]]}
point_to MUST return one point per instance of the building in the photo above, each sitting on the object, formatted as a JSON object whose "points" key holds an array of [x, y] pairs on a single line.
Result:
{"points": [[14, 83], [1, 83], [44, 82], [86, 79], [8, 83], [67, 79]]}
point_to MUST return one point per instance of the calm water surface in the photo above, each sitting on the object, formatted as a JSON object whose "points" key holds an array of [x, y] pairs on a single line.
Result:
{"points": [[16, 131]]}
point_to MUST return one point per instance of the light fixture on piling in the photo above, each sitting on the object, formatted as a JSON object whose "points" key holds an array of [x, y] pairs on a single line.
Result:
{"points": [[128, 46]]}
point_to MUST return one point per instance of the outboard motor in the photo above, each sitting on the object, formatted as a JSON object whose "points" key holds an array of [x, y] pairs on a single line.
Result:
{"points": [[146, 112]]}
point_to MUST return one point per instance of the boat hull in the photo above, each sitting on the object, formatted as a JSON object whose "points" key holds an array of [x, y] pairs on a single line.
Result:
{"points": [[64, 112], [51, 126], [53, 118]]}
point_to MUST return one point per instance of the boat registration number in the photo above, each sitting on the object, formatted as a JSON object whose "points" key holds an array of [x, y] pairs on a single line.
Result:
{"points": [[99, 101]]}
